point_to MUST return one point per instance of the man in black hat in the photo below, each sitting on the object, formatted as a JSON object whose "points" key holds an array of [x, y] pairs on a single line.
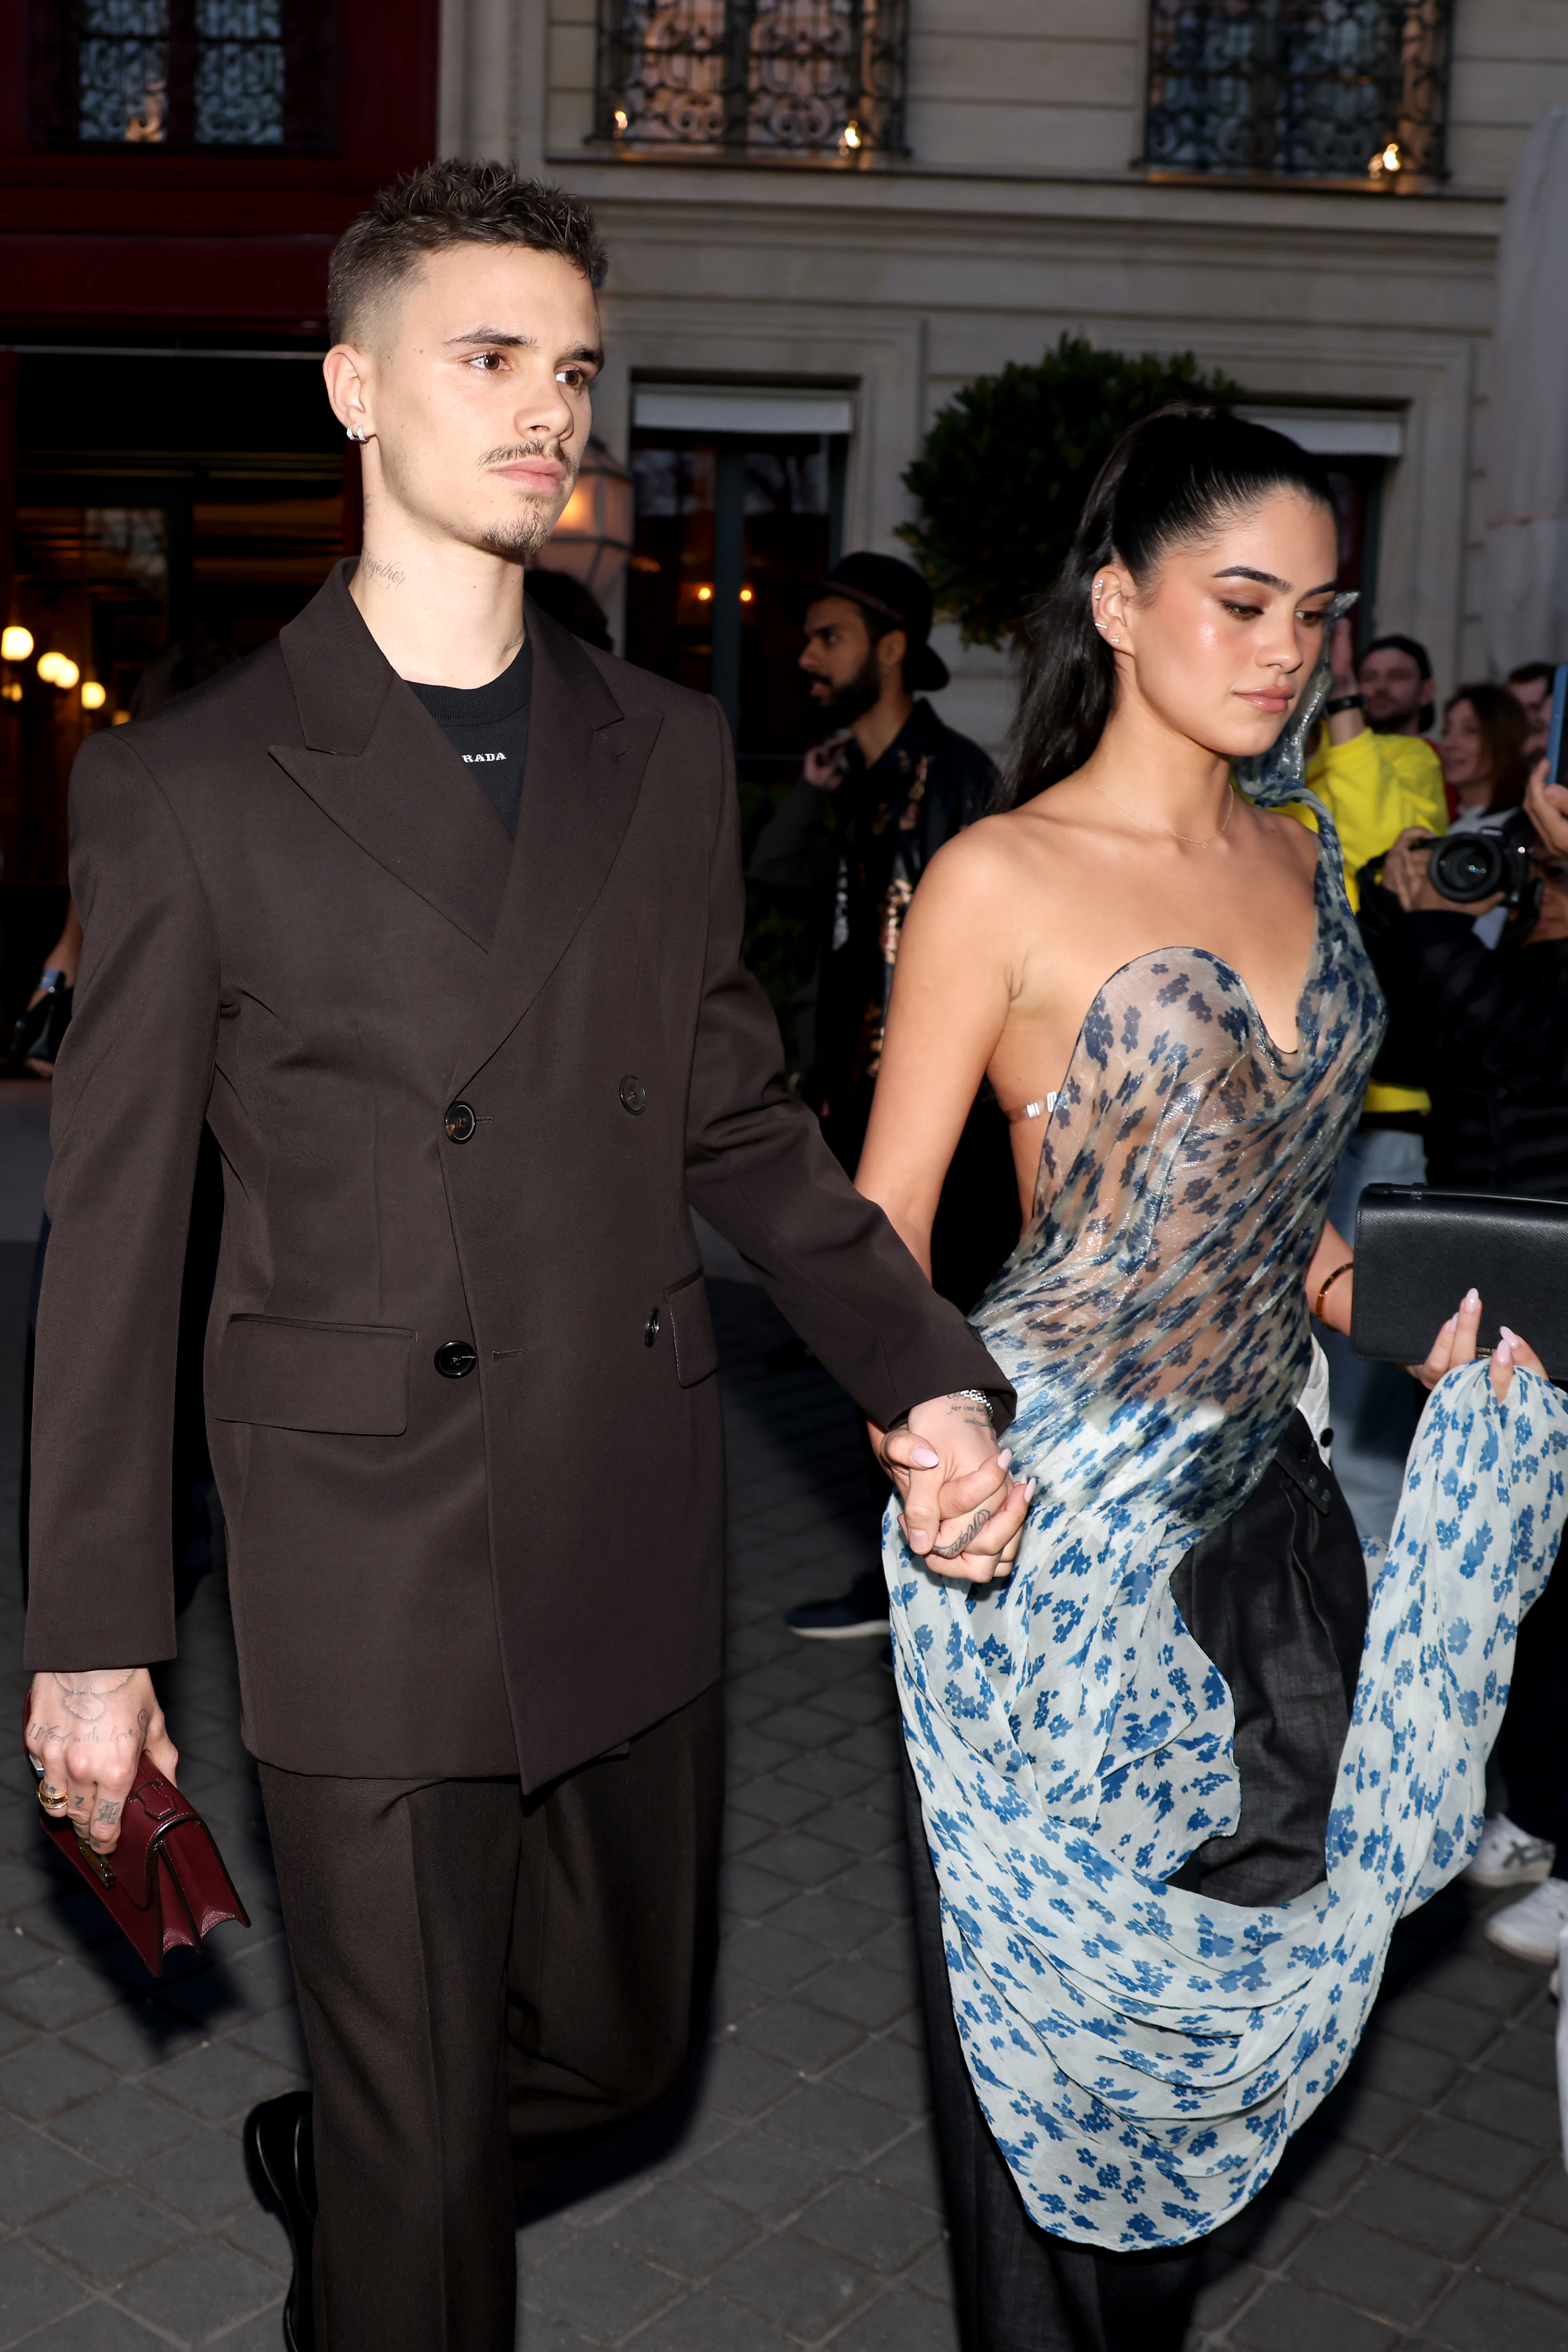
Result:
{"points": [[874, 803]]}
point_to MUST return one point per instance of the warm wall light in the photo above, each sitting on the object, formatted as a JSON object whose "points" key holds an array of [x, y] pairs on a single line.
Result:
{"points": [[94, 696], [57, 669], [746, 595], [122, 718], [705, 594], [11, 692], [594, 536], [15, 643]]}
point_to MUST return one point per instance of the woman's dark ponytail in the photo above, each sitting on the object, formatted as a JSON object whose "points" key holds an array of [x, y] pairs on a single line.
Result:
{"points": [[1173, 476]]}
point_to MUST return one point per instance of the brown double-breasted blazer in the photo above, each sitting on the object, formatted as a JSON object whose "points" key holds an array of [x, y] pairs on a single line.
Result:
{"points": [[464, 1092]]}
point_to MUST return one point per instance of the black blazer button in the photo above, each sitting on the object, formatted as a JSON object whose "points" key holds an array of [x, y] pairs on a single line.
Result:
{"points": [[456, 1360], [634, 1096], [460, 1122], [650, 1328]]}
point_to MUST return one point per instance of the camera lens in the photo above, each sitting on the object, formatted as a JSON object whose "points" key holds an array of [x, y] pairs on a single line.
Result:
{"points": [[1467, 865]]}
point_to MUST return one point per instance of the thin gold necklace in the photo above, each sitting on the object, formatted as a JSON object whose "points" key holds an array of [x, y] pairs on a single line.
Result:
{"points": [[1165, 832]]}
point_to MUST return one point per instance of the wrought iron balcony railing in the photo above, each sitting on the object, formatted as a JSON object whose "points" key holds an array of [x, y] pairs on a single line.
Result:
{"points": [[814, 79], [182, 73], [1304, 89]]}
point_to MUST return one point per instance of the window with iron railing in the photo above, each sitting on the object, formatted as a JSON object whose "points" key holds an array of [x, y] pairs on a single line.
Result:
{"points": [[816, 79], [182, 73], [1301, 89]]}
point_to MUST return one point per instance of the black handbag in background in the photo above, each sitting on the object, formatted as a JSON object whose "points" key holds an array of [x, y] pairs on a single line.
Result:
{"points": [[1418, 1250], [38, 1033]]}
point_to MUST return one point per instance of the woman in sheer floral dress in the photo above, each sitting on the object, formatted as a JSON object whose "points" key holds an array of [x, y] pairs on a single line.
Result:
{"points": [[1176, 1777]]}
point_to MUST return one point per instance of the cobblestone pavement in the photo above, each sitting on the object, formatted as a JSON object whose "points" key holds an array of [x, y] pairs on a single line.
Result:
{"points": [[788, 2197]]}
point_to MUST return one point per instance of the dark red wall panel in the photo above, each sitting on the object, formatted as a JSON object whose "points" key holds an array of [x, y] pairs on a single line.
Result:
{"points": [[141, 237]]}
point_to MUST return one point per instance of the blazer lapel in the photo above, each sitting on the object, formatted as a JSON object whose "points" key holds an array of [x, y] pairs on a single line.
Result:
{"points": [[586, 765], [376, 763]]}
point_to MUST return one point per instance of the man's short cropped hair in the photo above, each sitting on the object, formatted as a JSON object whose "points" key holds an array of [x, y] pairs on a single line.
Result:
{"points": [[1532, 674], [1413, 646], [448, 204]]}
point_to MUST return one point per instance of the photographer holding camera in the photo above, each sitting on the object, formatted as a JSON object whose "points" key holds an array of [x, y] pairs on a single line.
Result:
{"points": [[1484, 1031]]}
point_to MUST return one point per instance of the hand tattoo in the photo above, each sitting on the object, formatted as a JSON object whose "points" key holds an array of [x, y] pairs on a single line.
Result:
{"points": [[963, 1542], [86, 1696]]}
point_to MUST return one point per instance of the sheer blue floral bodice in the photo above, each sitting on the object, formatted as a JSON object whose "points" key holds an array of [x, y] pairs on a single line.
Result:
{"points": [[1142, 2053]]}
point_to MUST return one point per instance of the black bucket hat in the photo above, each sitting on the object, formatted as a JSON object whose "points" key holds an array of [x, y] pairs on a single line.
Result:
{"points": [[896, 592]]}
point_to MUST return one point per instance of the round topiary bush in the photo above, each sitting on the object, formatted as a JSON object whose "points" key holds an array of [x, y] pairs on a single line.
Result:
{"points": [[1007, 464]]}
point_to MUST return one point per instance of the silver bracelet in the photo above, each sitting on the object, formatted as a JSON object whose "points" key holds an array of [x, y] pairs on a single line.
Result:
{"points": [[976, 1396]]}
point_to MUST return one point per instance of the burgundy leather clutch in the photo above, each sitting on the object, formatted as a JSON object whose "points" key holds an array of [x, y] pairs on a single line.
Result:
{"points": [[165, 1884]]}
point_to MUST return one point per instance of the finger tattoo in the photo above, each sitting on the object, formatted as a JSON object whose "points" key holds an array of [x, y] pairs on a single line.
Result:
{"points": [[963, 1542]]}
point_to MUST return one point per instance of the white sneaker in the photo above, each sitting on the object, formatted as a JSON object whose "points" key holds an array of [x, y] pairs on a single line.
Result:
{"points": [[1509, 1856], [1531, 1927]]}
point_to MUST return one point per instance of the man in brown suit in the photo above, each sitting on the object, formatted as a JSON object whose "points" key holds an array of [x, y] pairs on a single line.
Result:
{"points": [[471, 1042]]}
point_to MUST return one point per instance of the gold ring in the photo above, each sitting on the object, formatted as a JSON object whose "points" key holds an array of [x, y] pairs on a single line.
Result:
{"points": [[53, 1801]]}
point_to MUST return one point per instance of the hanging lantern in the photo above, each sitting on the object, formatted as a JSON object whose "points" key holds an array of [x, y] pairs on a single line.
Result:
{"points": [[594, 536]]}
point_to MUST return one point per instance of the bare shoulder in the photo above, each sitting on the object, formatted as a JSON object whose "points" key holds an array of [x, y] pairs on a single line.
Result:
{"points": [[995, 861]]}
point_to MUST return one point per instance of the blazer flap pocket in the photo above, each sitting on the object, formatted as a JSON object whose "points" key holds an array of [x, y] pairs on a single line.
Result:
{"points": [[692, 1322], [345, 1380]]}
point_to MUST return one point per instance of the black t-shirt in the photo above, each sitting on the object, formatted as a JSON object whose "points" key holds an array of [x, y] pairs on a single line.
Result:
{"points": [[488, 726]]}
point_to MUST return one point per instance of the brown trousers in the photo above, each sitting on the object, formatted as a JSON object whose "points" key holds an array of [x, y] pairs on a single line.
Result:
{"points": [[488, 1984]]}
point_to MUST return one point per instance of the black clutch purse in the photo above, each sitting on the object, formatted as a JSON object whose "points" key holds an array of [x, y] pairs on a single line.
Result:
{"points": [[1417, 1252], [38, 1033]]}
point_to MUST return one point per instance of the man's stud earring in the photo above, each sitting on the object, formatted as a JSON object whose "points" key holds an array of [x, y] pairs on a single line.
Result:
{"points": [[353, 432]]}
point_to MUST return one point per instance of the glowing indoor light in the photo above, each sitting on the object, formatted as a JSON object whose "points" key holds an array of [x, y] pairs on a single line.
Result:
{"points": [[57, 669], [704, 595], [623, 120], [15, 643], [852, 135], [94, 696], [1390, 159], [11, 692], [746, 595]]}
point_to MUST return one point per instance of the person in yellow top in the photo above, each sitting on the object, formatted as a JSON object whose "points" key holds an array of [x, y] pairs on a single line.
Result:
{"points": [[1377, 776]]}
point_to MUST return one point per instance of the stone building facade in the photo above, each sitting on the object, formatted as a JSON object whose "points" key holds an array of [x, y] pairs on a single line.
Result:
{"points": [[1357, 308]]}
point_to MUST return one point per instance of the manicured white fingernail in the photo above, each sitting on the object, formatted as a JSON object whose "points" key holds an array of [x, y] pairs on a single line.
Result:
{"points": [[1512, 1336], [924, 1459], [1472, 1299], [1004, 1458], [1452, 1321], [1033, 1484]]}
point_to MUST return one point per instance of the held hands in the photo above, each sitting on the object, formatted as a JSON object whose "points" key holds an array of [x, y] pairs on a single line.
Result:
{"points": [[86, 1735], [1456, 1344], [962, 1509]]}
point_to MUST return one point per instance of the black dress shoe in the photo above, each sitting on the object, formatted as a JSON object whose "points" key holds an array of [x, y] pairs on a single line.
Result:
{"points": [[281, 2159]]}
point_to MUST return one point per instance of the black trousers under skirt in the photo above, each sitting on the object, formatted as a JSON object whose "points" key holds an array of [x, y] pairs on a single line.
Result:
{"points": [[1276, 1597]]}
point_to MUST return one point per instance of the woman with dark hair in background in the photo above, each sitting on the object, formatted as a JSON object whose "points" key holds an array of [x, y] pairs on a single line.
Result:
{"points": [[1164, 1860], [1482, 750]]}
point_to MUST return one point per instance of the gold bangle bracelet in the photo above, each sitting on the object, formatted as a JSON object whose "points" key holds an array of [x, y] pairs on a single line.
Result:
{"points": [[1327, 1284]]}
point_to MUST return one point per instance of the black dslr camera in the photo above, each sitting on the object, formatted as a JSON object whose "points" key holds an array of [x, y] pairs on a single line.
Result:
{"points": [[1465, 866]]}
